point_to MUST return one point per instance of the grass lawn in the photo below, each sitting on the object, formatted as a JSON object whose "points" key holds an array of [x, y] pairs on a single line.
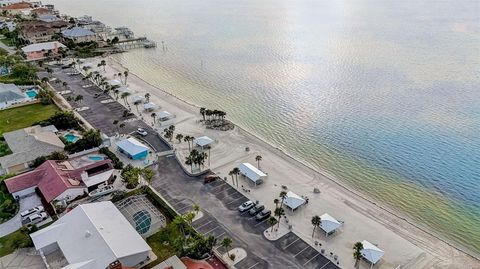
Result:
{"points": [[18, 239], [4, 149], [24, 116], [8, 41], [163, 251]]}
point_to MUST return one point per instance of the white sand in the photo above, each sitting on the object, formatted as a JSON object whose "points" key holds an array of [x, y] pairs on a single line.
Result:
{"points": [[404, 244]]}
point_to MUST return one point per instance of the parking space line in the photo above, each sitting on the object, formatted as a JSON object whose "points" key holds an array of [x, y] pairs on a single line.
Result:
{"points": [[291, 243], [177, 203], [234, 200], [183, 208], [215, 193], [325, 265], [253, 265], [211, 230], [218, 236], [318, 253], [261, 222], [301, 251], [199, 227], [219, 185]]}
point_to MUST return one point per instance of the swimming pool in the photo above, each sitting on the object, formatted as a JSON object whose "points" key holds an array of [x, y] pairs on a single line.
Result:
{"points": [[71, 138], [31, 93], [96, 157]]}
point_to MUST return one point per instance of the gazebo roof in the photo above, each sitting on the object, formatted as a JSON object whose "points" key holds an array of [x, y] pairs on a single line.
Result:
{"points": [[164, 114], [371, 252], [149, 106], [329, 223], [203, 141], [293, 200]]}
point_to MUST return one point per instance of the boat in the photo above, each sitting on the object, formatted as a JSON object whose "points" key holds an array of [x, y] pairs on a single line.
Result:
{"points": [[101, 191]]}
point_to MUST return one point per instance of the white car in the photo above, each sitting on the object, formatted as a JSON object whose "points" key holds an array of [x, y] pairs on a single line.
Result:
{"points": [[246, 206], [141, 132], [30, 211], [35, 218]]}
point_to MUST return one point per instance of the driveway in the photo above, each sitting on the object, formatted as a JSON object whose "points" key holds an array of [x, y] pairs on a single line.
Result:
{"points": [[219, 202], [16, 222], [102, 109], [22, 258]]}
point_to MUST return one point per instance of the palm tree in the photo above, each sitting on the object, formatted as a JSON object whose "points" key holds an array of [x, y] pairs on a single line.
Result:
{"points": [[147, 97], [196, 209], [79, 98], [121, 126], [103, 63], [227, 244], [124, 97], [209, 148], [279, 212], [357, 253], [258, 158], [65, 85], [272, 221], [189, 161], [316, 221], [136, 103], [236, 172], [187, 139], [45, 80], [231, 174], [283, 196], [115, 122], [153, 115], [125, 74], [179, 137], [276, 201], [202, 112]]}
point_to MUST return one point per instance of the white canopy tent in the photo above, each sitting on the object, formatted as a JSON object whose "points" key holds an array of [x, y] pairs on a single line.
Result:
{"points": [[149, 106], [138, 98], [164, 115], [203, 141], [293, 200], [114, 82], [329, 224], [371, 252], [252, 173]]}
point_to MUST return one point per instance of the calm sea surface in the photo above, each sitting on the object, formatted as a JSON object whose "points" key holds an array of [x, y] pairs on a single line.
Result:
{"points": [[383, 94]]}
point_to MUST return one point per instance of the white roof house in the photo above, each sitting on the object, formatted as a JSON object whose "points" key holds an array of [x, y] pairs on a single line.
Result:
{"points": [[329, 223], [371, 252], [252, 173], [203, 141], [43, 46], [293, 200], [92, 236]]}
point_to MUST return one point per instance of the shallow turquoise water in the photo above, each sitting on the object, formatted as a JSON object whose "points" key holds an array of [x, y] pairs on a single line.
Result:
{"points": [[383, 94]]}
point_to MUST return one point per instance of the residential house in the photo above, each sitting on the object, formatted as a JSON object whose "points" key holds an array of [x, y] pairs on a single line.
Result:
{"points": [[79, 35], [27, 145], [48, 18], [9, 2], [41, 51], [62, 180], [10, 25], [17, 8], [40, 11], [10, 95], [41, 31], [93, 236]]}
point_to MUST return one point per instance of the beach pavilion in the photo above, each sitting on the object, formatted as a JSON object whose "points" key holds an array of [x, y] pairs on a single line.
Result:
{"points": [[252, 173], [203, 141], [114, 82], [329, 224], [293, 201], [371, 253], [138, 99], [133, 148], [164, 115], [149, 106]]}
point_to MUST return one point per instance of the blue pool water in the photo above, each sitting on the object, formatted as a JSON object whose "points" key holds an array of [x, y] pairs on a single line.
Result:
{"points": [[31, 93], [95, 158], [71, 138]]}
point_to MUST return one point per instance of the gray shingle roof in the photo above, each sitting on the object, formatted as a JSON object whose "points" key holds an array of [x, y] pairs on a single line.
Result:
{"points": [[10, 92], [77, 32]]}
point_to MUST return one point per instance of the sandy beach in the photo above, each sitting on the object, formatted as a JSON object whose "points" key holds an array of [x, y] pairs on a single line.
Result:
{"points": [[405, 244]]}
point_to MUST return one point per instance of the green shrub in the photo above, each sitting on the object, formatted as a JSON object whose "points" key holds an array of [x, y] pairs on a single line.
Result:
{"points": [[117, 164]]}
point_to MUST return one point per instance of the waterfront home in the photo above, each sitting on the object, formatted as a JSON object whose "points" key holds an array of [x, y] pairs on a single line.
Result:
{"points": [[27, 145], [41, 51], [79, 35], [10, 95], [48, 18], [38, 31], [133, 148], [40, 11], [20, 8], [9, 2], [10, 25], [62, 180], [94, 236]]}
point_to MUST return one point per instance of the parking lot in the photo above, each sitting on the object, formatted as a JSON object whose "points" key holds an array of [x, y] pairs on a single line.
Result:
{"points": [[101, 114], [219, 202]]}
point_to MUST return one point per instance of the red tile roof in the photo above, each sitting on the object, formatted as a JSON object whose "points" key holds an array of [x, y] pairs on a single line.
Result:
{"points": [[52, 178], [21, 5]]}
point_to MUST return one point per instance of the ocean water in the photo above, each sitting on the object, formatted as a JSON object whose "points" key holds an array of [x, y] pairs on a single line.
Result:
{"points": [[385, 95]]}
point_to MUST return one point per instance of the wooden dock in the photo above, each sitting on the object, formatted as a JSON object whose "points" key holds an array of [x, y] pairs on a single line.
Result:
{"points": [[135, 43]]}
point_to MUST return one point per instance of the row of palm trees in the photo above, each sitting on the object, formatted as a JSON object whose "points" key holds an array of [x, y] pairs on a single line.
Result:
{"points": [[168, 132], [212, 114]]}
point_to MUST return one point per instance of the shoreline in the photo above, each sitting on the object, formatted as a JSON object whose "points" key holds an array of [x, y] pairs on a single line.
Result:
{"points": [[395, 213]]}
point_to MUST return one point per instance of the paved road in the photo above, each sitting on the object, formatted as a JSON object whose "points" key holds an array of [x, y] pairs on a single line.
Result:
{"points": [[219, 202], [16, 222], [101, 115]]}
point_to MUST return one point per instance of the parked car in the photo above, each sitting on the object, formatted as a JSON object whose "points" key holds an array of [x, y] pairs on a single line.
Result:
{"points": [[246, 206], [35, 218], [96, 95], [210, 178], [30, 211], [263, 214], [142, 132], [256, 209]]}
